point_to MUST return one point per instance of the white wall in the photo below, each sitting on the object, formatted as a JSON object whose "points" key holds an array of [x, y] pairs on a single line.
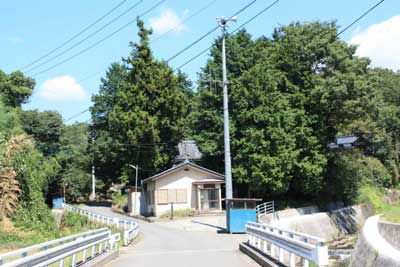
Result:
{"points": [[181, 179], [131, 202]]}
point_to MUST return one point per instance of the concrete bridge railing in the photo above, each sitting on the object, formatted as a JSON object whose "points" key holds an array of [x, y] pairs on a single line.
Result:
{"points": [[287, 247], [131, 228]]}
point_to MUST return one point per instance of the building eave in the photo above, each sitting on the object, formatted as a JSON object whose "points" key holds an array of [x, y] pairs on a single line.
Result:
{"points": [[182, 166]]}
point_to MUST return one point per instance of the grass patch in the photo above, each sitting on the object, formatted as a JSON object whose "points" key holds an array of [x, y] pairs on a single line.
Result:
{"points": [[392, 213], [179, 213], [373, 197], [13, 238]]}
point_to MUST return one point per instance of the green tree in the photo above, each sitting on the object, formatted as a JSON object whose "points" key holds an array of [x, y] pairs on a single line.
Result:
{"points": [[138, 114], [45, 127], [272, 143], [15, 88], [387, 143], [75, 163]]}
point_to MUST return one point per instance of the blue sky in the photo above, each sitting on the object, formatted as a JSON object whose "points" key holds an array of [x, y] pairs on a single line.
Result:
{"points": [[30, 29]]}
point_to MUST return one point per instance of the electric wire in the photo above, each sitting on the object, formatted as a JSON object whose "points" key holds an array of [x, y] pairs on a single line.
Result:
{"points": [[185, 20], [242, 25], [360, 17], [73, 37], [99, 41], [208, 33], [248, 21], [86, 38]]}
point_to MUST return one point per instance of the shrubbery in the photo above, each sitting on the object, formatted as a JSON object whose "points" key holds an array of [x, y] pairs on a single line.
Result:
{"points": [[120, 201]]}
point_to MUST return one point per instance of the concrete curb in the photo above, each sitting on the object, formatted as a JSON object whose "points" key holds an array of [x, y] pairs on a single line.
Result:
{"points": [[259, 257], [102, 259]]}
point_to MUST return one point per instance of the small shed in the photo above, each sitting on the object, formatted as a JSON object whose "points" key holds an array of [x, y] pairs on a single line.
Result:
{"points": [[187, 186]]}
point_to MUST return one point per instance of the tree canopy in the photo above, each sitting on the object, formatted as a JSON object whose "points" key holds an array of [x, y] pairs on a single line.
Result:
{"points": [[138, 114]]}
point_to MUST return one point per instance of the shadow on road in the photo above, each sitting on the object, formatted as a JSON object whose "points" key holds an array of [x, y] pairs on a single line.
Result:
{"points": [[220, 230], [107, 204]]}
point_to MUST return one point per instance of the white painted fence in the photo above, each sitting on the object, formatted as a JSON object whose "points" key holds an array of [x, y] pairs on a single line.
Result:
{"points": [[78, 249], [265, 209], [131, 228], [286, 246]]}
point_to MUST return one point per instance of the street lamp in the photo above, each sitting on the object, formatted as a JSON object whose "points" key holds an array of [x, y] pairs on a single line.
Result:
{"points": [[136, 176], [228, 169]]}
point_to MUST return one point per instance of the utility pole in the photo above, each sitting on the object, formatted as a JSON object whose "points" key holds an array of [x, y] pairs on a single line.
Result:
{"points": [[228, 168], [93, 184], [136, 178]]}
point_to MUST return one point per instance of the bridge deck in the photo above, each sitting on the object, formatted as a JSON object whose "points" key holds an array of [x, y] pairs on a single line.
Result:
{"points": [[193, 242]]}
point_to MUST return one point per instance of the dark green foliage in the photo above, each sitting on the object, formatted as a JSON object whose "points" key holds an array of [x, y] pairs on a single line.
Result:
{"points": [[75, 163], [137, 115], [33, 172], [289, 96], [15, 89], [73, 220], [45, 127]]}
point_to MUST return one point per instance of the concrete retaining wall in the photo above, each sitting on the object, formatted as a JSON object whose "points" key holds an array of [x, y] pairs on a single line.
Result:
{"points": [[327, 225], [391, 233], [372, 249]]}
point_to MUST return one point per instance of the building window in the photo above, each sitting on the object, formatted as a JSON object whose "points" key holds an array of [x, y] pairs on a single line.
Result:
{"points": [[165, 196], [162, 196]]}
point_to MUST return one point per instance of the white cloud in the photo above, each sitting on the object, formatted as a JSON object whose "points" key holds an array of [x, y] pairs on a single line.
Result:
{"points": [[380, 43], [62, 88], [168, 20]]}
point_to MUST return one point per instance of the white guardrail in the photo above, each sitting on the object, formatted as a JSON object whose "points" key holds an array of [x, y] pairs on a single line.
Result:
{"points": [[265, 209], [131, 228], [72, 250], [286, 246]]}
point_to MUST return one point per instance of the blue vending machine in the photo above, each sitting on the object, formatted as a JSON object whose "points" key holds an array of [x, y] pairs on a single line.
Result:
{"points": [[239, 211]]}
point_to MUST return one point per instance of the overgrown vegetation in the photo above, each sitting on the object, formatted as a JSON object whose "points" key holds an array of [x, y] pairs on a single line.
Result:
{"points": [[374, 198], [120, 202]]}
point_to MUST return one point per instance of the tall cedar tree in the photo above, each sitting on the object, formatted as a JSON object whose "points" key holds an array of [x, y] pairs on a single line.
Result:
{"points": [[271, 141], [138, 115]]}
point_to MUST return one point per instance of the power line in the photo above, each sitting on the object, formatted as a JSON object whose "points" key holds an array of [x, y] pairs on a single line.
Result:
{"points": [[337, 35], [100, 41], [76, 35], [89, 76], [360, 17], [86, 38], [241, 26], [76, 115], [208, 33], [185, 20]]}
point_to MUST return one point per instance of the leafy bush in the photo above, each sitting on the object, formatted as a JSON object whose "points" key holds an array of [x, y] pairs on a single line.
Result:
{"points": [[33, 171], [74, 220], [353, 170], [371, 196], [120, 201]]}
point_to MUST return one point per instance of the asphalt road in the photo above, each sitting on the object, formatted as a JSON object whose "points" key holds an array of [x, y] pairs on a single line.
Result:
{"points": [[182, 243]]}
